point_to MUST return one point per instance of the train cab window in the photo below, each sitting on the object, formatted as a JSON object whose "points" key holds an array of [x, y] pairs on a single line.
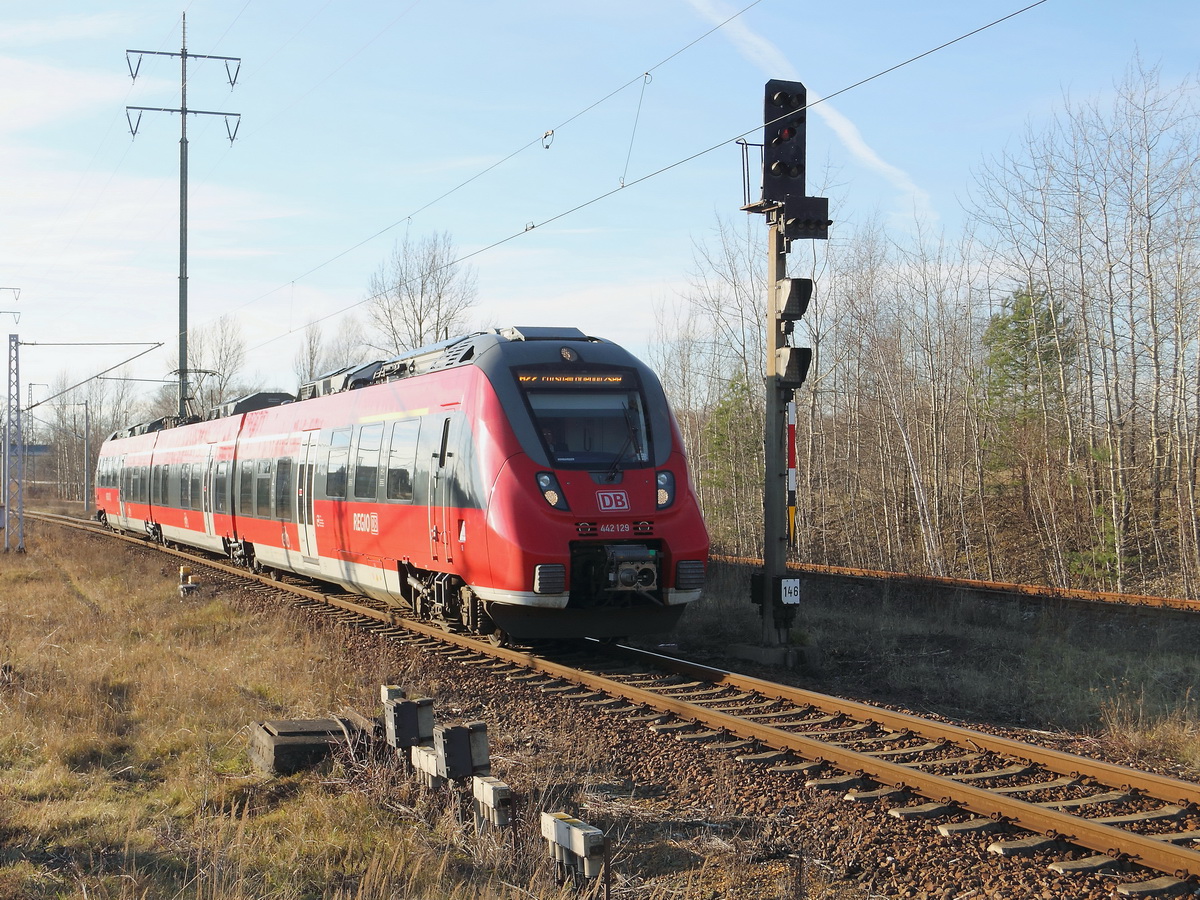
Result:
{"points": [[366, 462], [339, 460], [262, 490], [402, 457], [221, 488], [284, 489], [246, 488], [595, 426]]}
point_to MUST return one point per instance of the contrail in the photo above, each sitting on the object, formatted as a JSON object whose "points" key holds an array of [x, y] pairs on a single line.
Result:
{"points": [[764, 54]]}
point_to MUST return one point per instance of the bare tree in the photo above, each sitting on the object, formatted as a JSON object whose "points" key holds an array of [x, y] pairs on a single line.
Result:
{"points": [[217, 354], [317, 355], [1101, 215], [420, 294]]}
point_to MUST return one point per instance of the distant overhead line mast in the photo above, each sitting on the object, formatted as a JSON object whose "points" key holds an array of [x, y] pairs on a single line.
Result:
{"points": [[233, 65]]}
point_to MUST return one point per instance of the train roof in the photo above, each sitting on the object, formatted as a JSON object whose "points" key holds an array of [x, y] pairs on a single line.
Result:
{"points": [[469, 349]]}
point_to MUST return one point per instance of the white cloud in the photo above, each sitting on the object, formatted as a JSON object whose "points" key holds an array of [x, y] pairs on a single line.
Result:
{"points": [[61, 28], [774, 64], [48, 93]]}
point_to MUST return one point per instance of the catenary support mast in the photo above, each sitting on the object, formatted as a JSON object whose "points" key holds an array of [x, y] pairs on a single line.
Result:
{"points": [[183, 111]]}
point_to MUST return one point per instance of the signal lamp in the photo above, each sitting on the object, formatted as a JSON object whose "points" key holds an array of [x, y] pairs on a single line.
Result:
{"points": [[783, 140]]}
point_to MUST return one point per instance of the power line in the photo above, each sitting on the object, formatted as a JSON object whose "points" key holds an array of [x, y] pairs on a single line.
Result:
{"points": [[654, 174], [149, 349], [539, 140]]}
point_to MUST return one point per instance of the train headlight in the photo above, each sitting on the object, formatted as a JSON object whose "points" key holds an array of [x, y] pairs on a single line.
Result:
{"points": [[551, 492], [665, 483]]}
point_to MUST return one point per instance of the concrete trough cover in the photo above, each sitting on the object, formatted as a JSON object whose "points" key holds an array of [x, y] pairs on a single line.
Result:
{"points": [[300, 727], [286, 746]]}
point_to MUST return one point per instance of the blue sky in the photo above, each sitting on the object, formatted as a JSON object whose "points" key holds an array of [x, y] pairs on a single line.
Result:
{"points": [[356, 116]]}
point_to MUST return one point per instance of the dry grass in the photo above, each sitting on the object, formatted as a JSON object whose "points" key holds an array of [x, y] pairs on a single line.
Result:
{"points": [[123, 767], [124, 773]]}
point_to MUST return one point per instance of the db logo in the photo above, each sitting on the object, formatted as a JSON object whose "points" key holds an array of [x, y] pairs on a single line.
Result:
{"points": [[613, 501]]}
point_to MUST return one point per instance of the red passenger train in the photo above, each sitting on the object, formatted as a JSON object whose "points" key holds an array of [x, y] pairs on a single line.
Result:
{"points": [[527, 482]]}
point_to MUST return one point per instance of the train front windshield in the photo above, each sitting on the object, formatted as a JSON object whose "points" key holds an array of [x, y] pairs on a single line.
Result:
{"points": [[586, 427]]}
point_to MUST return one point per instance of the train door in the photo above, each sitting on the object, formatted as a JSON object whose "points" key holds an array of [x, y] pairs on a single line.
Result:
{"points": [[304, 494], [208, 489], [441, 500], [122, 490]]}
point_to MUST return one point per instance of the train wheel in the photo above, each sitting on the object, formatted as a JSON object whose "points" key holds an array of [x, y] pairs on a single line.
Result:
{"points": [[499, 638]]}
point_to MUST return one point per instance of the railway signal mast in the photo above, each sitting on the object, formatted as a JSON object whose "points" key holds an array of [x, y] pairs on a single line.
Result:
{"points": [[791, 215]]}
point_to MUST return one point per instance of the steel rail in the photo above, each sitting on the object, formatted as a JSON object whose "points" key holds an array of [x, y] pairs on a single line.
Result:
{"points": [[1118, 843], [1160, 786]]}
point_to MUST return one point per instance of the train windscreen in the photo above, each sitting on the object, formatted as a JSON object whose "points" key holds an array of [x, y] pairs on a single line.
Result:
{"points": [[589, 421]]}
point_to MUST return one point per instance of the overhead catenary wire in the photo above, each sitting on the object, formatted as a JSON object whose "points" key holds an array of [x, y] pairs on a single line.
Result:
{"points": [[79, 384], [543, 140], [533, 226]]}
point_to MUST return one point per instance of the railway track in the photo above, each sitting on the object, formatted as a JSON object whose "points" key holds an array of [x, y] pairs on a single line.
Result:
{"points": [[1029, 798]]}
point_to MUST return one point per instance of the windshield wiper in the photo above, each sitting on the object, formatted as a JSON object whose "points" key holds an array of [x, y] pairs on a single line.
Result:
{"points": [[631, 438]]}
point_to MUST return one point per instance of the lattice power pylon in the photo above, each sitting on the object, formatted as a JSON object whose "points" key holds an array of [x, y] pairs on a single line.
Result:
{"points": [[14, 457]]}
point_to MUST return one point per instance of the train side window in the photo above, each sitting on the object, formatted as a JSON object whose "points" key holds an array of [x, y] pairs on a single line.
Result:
{"points": [[284, 489], [402, 456], [197, 486], [262, 492], [185, 485], [221, 488], [155, 484], [366, 463], [339, 460], [246, 488]]}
